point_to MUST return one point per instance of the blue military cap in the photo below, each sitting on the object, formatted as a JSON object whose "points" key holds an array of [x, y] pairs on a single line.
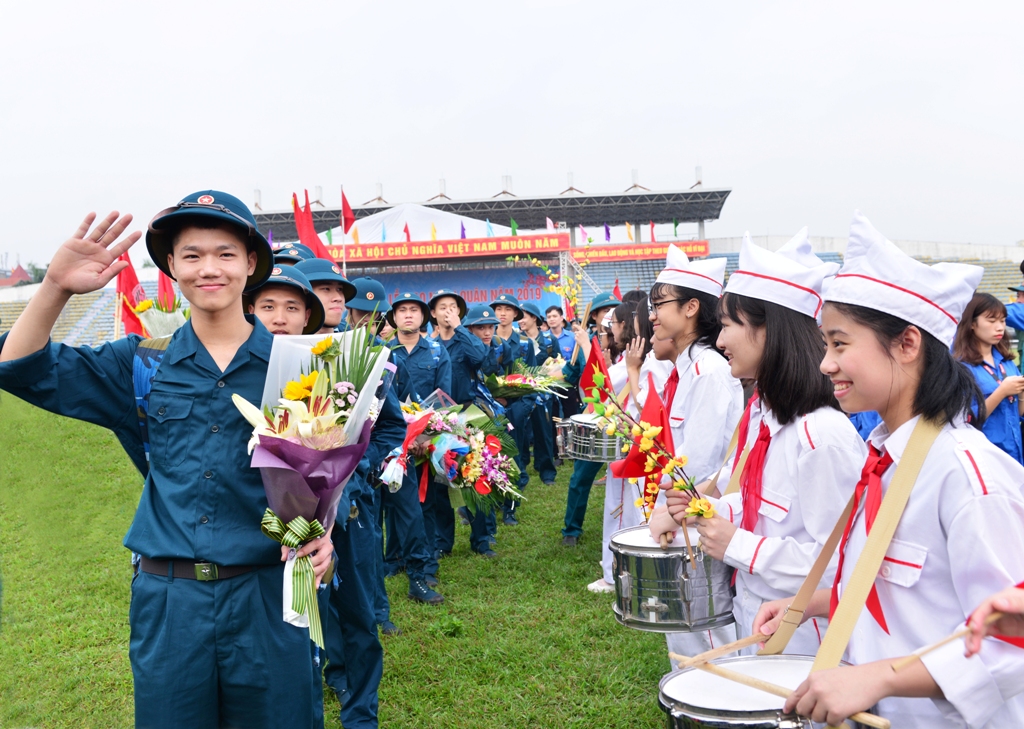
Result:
{"points": [[369, 296], [509, 300], [604, 300], [480, 314], [440, 293], [317, 269], [291, 276], [289, 254], [208, 206], [404, 298], [532, 309]]}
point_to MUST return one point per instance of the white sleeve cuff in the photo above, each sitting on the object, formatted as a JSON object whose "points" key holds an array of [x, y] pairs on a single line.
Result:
{"points": [[966, 683], [742, 550]]}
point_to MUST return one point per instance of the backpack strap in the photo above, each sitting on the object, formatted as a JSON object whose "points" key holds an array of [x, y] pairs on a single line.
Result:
{"points": [[149, 353], [435, 350]]}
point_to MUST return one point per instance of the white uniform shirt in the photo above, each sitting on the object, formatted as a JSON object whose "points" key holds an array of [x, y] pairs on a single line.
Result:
{"points": [[961, 538], [659, 370], [811, 469], [707, 405]]}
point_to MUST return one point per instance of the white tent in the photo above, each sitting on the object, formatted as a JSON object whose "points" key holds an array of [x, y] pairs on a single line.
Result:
{"points": [[392, 222]]}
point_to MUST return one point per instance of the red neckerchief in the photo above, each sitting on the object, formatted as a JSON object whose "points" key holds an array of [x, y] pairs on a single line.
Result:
{"points": [[670, 388], [870, 488], [752, 476]]}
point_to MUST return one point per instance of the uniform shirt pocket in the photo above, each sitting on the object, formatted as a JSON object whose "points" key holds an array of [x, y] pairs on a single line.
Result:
{"points": [[903, 563], [169, 428], [774, 505]]}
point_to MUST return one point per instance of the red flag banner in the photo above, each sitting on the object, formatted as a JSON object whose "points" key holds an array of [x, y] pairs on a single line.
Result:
{"points": [[348, 218], [653, 413], [129, 294], [165, 291], [594, 365], [616, 291], [306, 229]]}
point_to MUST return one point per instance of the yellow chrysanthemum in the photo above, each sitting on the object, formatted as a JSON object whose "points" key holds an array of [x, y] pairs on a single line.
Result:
{"points": [[144, 305]]}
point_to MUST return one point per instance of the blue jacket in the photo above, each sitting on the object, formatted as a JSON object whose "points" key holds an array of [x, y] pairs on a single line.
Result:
{"points": [[1002, 426], [1015, 316], [521, 349], [466, 354], [548, 346], [428, 367], [567, 342], [201, 500]]}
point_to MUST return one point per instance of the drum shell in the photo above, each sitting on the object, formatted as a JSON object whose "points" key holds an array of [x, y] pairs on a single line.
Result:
{"points": [[587, 441], [680, 715], [659, 591]]}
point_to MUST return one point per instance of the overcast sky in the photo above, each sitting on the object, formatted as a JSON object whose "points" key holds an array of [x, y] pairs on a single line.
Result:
{"points": [[911, 112]]}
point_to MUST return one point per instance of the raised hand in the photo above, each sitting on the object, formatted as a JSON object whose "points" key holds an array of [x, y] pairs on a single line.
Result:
{"points": [[88, 259], [635, 354]]}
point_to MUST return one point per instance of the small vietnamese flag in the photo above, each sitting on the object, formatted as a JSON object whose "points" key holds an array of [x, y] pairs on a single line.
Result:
{"points": [[348, 218], [515, 227], [617, 292], [129, 294], [408, 236], [594, 365], [653, 413]]}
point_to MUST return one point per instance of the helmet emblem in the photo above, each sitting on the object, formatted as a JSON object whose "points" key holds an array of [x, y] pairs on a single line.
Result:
{"points": [[205, 200], [369, 296], [336, 269], [276, 272]]}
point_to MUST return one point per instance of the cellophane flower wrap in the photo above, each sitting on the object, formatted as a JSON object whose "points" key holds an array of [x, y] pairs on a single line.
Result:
{"points": [[162, 318], [524, 380], [467, 450], [319, 403]]}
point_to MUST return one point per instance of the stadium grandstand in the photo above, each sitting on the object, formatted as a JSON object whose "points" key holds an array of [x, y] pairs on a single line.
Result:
{"points": [[89, 319]]}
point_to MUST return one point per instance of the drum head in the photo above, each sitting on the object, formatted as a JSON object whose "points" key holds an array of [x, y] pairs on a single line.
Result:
{"points": [[705, 693], [640, 537], [586, 418]]}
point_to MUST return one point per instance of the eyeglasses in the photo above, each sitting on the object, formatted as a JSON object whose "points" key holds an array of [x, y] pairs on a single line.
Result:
{"points": [[652, 308]]}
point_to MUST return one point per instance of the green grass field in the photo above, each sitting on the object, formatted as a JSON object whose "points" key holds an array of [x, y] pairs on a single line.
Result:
{"points": [[518, 643]]}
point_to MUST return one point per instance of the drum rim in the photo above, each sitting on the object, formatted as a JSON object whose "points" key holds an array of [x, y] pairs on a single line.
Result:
{"points": [[669, 704], [673, 549]]}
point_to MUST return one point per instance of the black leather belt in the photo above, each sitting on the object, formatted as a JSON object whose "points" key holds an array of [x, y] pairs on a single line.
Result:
{"points": [[202, 571]]}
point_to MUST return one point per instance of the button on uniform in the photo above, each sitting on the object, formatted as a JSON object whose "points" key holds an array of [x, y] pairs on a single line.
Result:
{"points": [[204, 519], [215, 429]]}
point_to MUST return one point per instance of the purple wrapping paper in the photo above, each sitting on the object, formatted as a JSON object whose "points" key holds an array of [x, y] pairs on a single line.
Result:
{"points": [[305, 482]]}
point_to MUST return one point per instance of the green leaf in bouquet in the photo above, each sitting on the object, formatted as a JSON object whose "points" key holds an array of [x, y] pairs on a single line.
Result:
{"points": [[355, 362]]}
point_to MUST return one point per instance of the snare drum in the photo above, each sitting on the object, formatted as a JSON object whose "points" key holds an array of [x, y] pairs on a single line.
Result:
{"points": [[585, 439], [695, 699], [659, 591]]}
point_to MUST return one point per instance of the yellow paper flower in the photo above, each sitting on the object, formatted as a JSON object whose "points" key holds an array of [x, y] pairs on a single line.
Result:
{"points": [[610, 430], [700, 507], [636, 431], [639, 503], [646, 444], [625, 449], [653, 432]]}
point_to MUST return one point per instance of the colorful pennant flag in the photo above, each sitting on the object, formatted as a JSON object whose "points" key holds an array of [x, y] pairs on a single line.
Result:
{"points": [[584, 239], [355, 235], [490, 229], [306, 229], [629, 232], [348, 218], [462, 226], [330, 237], [653, 240], [408, 236], [675, 228], [550, 223], [383, 232], [616, 291], [515, 227], [433, 232], [607, 233]]}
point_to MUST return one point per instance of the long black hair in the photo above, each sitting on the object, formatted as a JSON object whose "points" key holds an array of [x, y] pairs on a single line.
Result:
{"points": [[634, 296], [624, 313], [644, 328], [947, 389], [788, 376], [708, 326]]}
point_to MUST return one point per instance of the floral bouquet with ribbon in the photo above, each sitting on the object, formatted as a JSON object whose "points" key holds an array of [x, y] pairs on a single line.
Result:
{"points": [[162, 317], [308, 438], [525, 380]]}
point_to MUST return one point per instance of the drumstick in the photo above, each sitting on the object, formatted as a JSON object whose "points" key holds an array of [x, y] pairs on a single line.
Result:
{"points": [[902, 663], [689, 549], [663, 539], [862, 716], [736, 645], [576, 351]]}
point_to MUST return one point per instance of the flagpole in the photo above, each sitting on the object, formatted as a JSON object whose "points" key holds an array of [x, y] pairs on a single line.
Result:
{"points": [[117, 317], [344, 236]]}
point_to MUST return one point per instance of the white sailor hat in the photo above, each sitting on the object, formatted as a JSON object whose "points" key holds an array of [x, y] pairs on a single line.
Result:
{"points": [[791, 276], [706, 275], [878, 275]]}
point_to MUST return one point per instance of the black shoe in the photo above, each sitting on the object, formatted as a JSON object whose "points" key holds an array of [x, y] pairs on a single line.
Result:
{"points": [[431, 581], [488, 554], [419, 592], [510, 520], [549, 483], [463, 513], [569, 541], [389, 628], [558, 462]]}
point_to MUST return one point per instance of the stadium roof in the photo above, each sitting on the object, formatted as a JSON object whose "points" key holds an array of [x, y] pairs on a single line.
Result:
{"points": [[530, 213]]}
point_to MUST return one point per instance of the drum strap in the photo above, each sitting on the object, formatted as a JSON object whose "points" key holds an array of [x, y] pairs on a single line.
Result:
{"points": [[854, 596], [734, 480], [840, 628]]}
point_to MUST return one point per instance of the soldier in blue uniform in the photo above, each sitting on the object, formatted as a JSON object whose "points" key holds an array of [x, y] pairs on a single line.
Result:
{"points": [[466, 354], [286, 303], [208, 580], [583, 472], [518, 410], [291, 253], [410, 535], [545, 346], [481, 322], [331, 287]]}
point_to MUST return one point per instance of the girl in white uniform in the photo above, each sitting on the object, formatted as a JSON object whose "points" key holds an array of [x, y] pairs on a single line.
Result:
{"points": [[888, 321], [703, 399], [804, 455], [620, 509]]}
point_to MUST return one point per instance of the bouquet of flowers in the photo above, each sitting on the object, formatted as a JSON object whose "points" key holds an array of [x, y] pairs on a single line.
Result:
{"points": [[525, 381], [319, 403], [552, 367], [161, 317]]}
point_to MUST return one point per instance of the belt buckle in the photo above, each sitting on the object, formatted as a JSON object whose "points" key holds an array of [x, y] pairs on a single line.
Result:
{"points": [[206, 571]]}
